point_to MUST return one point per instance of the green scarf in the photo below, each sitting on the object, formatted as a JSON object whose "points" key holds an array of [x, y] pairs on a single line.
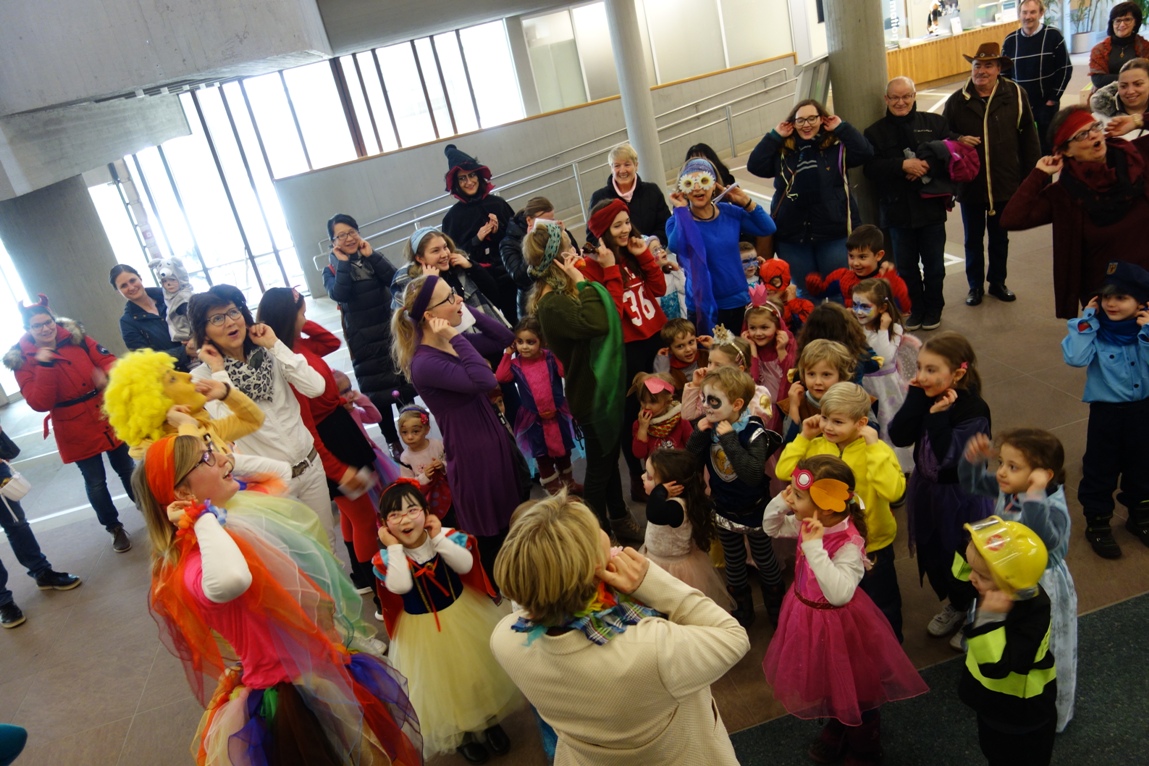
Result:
{"points": [[606, 360]]}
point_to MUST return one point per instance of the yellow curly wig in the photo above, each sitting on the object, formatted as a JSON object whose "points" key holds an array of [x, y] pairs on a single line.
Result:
{"points": [[134, 400]]}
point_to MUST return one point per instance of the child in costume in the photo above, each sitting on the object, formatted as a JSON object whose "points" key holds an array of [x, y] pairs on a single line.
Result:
{"points": [[834, 655], [673, 303], [177, 292], [775, 274], [1009, 676], [302, 693], [866, 249], [1111, 341], [772, 349], [726, 350], [660, 423], [365, 413], [1029, 487], [881, 321], [750, 263], [543, 424], [821, 364], [440, 610], [842, 429], [678, 523], [681, 355], [943, 411], [833, 321], [424, 458], [734, 446]]}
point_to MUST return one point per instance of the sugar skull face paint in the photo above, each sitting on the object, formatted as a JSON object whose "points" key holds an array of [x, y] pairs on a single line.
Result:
{"points": [[716, 405]]}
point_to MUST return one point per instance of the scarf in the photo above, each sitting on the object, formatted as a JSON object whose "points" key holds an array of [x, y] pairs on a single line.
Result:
{"points": [[606, 617], [1106, 191], [661, 426], [606, 360], [694, 260], [1123, 333], [255, 381], [625, 196], [361, 270], [739, 426]]}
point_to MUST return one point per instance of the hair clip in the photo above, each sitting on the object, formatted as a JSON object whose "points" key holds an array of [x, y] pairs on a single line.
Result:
{"points": [[963, 366]]}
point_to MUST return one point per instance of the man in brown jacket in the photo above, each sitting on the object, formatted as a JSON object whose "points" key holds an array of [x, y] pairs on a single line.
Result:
{"points": [[996, 110]]}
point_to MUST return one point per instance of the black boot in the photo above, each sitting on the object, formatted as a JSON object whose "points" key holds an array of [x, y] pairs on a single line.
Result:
{"points": [[864, 743], [743, 605], [362, 579], [1138, 522], [772, 596], [1100, 537]]}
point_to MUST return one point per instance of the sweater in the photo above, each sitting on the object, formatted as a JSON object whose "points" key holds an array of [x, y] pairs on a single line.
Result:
{"points": [[1040, 64], [635, 295], [647, 206], [1009, 144], [737, 463], [900, 201], [877, 474], [720, 237], [661, 669], [569, 324]]}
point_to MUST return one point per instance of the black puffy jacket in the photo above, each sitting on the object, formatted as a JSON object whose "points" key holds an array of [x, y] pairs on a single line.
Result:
{"points": [[901, 203], [362, 288], [648, 210]]}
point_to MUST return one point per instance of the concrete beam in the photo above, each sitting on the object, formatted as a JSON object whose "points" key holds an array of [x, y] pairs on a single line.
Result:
{"points": [[101, 48], [41, 148]]}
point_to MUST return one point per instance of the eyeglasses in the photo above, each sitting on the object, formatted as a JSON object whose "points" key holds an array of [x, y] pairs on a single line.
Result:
{"points": [[346, 235], [902, 99], [207, 458], [801, 121], [451, 296], [37, 326], [397, 517], [1124, 20], [215, 320], [467, 177], [1083, 135]]}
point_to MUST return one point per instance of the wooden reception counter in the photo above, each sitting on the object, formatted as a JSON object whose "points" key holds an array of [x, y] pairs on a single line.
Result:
{"points": [[941, 57]]}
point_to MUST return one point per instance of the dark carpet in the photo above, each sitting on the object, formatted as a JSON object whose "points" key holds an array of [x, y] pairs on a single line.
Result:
{"points": [[1110, 725]]}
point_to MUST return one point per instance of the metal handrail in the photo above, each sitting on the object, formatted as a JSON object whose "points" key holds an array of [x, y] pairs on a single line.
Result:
{"points": [[598, 139], [324, 244]]}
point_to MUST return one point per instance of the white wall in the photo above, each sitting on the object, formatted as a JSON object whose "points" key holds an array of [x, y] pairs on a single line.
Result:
{"points": [[687, 38], [377, 186], [755, 29]]}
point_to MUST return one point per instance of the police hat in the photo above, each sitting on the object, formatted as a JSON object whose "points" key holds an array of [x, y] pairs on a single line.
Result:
{"points": [[1126, 279]]}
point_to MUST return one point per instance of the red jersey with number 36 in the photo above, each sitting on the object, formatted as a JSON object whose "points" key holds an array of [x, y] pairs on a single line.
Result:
{"points": [[635, 295]]}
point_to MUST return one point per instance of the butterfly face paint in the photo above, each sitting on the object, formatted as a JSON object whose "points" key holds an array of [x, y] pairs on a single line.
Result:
{"points": [[863, 309], [716, 406]]}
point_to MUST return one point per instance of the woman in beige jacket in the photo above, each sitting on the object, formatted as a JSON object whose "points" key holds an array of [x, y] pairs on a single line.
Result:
{"points": [[616, 655]]}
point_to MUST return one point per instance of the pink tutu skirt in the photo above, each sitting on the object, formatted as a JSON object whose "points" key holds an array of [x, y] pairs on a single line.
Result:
{"points": [[696, 570], [838, 662]]}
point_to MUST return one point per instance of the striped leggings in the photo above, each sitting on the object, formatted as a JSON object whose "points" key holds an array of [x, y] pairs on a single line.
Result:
{"points": [[734, 547]]}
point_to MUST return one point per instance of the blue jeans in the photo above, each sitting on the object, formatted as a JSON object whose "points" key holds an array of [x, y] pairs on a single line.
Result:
{"points": [[96, 483], [977, 220], [918, 250], [820, 257], [23, 544]]}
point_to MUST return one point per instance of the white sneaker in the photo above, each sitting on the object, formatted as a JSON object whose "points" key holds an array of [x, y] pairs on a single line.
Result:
{"points": [[945, 621], [957, 642], [379, 616]]}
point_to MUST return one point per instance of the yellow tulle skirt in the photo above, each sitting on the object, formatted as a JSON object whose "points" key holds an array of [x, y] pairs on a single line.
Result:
{"points": [[454, 682]]}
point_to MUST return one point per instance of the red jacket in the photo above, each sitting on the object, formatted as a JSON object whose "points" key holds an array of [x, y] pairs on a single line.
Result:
{"points": [[848, 280], [635, 295], [69, 389], [316, 343]]}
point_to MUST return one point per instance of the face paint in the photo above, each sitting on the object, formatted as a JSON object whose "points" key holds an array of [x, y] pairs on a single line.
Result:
{"points": [[863, 309], [717, 406]]}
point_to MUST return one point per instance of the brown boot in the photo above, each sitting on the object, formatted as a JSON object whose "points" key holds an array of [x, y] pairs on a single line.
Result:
{"points": [[573, 487], [553, 484], [627, 530]]}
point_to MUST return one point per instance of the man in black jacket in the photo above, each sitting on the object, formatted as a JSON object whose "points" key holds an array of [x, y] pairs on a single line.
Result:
{"points": [[917, 224], [645, 200]]}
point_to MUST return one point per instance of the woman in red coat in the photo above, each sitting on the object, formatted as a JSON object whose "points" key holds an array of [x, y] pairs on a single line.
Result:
{"points": [[63, 372]]}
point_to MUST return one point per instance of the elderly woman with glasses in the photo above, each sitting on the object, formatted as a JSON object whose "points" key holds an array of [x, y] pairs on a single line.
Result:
{"points": [[63, 372], [1098, 205], [1121, 44], [455, 381], [235, 350]]}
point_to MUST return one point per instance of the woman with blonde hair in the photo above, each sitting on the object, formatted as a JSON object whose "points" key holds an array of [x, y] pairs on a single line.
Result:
{"points": [[582, 328], [454, 380], [585, 608], [645, 199], [302, 693], [430, 249]]}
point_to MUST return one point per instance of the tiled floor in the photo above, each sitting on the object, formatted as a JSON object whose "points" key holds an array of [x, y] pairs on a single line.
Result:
{"points": [[89, 679]]}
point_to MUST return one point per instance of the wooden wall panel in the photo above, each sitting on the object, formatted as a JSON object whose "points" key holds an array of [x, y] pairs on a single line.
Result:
{"points": [[942, 58]]}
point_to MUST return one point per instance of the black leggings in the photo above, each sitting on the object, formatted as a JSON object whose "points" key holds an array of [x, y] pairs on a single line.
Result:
{"points": [[602, 487]]}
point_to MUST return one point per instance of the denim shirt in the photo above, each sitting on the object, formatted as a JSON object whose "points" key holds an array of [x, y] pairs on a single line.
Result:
{"points": [[1115, 373]]}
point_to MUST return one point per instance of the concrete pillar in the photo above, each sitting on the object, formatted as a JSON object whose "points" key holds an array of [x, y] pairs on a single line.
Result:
{"points": [[857, 75], [59, 248], [521, 57], [634, 89]]}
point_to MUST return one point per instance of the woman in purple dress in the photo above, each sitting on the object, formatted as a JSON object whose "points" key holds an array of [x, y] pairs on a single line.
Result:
{"points": [[448, 370]]}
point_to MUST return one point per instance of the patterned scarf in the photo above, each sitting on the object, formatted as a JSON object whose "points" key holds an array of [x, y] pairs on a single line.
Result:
{"points": [[608, 615], [255, 381], [661, 426]]}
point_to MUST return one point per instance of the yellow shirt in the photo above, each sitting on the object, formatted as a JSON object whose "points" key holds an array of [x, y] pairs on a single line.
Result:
{"points": [[878, 480]]}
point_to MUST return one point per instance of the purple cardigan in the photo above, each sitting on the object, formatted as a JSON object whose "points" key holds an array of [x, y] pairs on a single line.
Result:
{"points": [[479, 450]]}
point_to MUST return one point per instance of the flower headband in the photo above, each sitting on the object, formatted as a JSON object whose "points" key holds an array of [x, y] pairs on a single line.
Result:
{"points": [[827, 494], [701, 175], [554, 242], [423, 419]]}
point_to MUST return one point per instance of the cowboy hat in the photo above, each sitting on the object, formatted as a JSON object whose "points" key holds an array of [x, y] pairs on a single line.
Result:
{"points": [[989, 52]]}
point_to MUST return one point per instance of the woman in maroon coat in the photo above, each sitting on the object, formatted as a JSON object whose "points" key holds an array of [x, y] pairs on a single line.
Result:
{"points": [[63, 372], [1098, 205]]}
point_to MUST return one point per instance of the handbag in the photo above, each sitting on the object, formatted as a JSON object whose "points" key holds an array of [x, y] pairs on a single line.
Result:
{"points": [[15, 486]]}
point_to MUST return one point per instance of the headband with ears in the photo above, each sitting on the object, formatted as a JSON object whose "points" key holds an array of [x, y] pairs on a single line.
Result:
{"points": [[40, 304]]}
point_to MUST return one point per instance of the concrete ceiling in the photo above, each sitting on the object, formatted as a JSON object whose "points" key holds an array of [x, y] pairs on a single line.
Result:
{"points": [[355, 25]]}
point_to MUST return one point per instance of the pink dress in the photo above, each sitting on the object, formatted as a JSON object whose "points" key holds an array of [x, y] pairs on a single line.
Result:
{"points": [[673, 549], [829, 661]]}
